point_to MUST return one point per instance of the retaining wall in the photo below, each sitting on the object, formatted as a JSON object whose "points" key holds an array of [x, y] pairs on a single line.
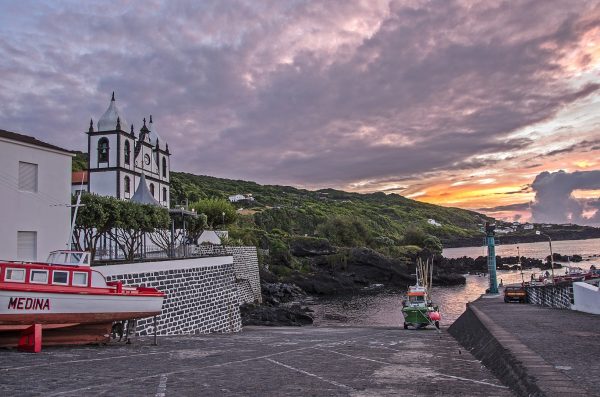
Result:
{"points": [[245, 262], [201, 294]]}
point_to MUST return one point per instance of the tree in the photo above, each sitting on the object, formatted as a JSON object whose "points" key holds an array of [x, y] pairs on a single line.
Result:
{"points": [[345, 231], [132, 221], [94, 219], [214, 208]]}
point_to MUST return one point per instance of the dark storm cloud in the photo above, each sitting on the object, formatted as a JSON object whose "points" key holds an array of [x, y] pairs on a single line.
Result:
{"points": [[554, 202], [510, 207], [267, 92]]}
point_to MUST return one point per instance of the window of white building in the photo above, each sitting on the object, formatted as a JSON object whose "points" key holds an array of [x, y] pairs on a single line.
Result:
{"points": [[28, 177], [27, 246]]}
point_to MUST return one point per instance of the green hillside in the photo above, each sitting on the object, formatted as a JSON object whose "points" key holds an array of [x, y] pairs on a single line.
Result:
{"points": [[379, 219]]}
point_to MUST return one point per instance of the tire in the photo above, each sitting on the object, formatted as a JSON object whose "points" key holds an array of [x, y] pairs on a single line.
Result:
{"points": [[437, 324], [506, 300], [405, 326]]}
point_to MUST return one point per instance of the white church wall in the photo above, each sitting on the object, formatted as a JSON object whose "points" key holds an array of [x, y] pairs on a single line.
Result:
{"points": [[103, 183], [112, 156]]}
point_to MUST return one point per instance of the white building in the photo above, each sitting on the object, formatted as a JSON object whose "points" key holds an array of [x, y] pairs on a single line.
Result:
{"points": [[118, 158], [35, 185], [241, 197], [434, 222]]}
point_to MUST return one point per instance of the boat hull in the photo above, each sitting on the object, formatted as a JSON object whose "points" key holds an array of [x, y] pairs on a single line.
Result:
{"points": [[59, 335], [418, 317], [26, 307]]}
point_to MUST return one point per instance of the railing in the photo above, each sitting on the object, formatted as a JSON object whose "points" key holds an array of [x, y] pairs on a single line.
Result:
{"points": [[155, 253], [558, 296]]}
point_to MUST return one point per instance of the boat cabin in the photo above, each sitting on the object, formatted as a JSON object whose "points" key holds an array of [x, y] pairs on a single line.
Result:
{"points": [[64, 269]]}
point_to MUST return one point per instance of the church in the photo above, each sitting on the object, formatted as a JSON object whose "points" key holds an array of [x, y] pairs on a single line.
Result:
{"points": [[119, 160]]}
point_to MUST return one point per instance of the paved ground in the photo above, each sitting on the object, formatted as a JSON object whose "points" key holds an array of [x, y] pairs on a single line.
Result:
{"points": [[307, 361], [567, 340]]}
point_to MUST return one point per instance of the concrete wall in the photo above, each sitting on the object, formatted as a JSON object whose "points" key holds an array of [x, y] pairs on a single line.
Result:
{"points": [[201, 294], [586, 298], [43, 211]]}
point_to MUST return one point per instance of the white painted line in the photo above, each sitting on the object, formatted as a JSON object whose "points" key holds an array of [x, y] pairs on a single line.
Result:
{"points": [[161, 391], [309, 374], [474, 381], [440, 374], [53, 364]]}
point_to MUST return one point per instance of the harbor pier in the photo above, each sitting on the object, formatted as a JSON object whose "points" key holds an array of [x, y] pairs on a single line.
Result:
{"points": [[536, 350]]}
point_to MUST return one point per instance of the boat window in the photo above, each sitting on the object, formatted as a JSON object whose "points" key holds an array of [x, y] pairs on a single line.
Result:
{"points": [[38, 276], [76, 257], [15, 275], [60, 277], [80, 278]]}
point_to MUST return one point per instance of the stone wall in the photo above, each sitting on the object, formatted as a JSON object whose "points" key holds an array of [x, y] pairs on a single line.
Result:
{"points": [[556, 296], [201, 294], [245, 262]]}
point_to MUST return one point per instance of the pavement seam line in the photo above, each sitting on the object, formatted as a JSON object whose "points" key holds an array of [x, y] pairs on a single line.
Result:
{"points": [[437, 373], [310, 374]]}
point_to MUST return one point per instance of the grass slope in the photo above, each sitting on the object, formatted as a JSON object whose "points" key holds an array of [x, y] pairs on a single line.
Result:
{"points": [[300, 212]]}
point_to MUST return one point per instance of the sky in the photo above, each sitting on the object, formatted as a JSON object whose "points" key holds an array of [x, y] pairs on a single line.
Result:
{"points": [[486, 105]]}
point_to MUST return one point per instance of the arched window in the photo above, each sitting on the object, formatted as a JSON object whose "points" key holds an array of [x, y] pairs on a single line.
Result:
{"points": [[164, 167], [127, 153], [127, 184], [164, 194], [103, 150], [152, 189]]}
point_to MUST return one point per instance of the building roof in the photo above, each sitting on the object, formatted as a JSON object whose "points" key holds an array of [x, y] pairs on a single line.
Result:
{"points": [[13, 136], [79, 177], [142, 195], [108, 121]]}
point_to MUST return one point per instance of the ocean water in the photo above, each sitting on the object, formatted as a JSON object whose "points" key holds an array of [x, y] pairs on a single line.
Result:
{"points": [[382, 308], [588, 249]]}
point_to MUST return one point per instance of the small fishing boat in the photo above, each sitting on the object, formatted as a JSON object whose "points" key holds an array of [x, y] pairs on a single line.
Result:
{"points": [[67, 297], [417, 308]]}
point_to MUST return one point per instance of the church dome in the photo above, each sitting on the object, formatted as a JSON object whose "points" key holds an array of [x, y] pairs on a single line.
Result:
{"points": [[154, 133], [108, 121]]}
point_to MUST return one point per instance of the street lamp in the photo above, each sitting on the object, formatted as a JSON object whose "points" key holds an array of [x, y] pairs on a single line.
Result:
{"points": [[551, 255]]}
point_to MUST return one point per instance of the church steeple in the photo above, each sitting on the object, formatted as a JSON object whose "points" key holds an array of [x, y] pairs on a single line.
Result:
{"points": [[108, 121]]}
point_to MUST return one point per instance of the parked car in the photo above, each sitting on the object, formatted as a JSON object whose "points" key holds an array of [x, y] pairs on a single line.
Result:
{"points": [[515, 293]]}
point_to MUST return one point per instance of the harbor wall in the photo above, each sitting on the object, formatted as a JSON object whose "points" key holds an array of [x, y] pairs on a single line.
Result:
{"points": [[556, 296], [201, 294], [477, 333], [586, 298], [516, 364]]}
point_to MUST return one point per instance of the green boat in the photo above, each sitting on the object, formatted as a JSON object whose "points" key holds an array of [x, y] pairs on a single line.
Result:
{"points": [[417, 308]]}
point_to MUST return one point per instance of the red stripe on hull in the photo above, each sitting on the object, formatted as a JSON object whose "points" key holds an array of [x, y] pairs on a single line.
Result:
{"points": [[55, 319]]}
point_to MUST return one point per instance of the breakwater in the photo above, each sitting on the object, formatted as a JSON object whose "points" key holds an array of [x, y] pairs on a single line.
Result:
{"points": [[537, 351]]}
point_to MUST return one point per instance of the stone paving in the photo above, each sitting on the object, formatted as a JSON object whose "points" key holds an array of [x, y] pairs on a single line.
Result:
{"points": [[567, 340], [259, 361]]}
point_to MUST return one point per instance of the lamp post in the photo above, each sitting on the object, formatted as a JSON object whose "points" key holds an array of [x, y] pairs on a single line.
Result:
{"points": [[551, 254]]}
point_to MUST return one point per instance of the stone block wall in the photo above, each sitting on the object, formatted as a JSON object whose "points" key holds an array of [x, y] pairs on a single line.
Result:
{"points": [[556, 296], [201, 294], [245, 262]]}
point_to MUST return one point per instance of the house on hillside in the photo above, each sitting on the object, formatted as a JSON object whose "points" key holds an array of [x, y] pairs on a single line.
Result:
{"points": [[433, 222], [35, 186], [241, 197]]}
